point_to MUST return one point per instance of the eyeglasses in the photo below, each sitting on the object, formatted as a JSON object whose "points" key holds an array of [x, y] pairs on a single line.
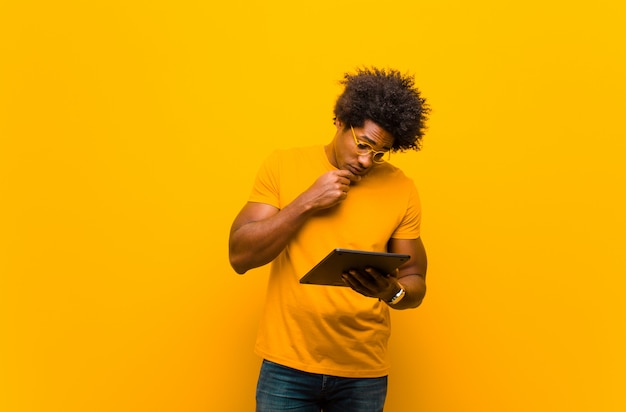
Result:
{"points": [[363, 149]]}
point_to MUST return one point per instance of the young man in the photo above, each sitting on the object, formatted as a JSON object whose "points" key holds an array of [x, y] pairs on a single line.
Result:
{"points": [[325, 347]]}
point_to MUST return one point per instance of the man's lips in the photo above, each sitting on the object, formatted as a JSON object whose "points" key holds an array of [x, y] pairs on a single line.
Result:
{"points": [[357, 171]]}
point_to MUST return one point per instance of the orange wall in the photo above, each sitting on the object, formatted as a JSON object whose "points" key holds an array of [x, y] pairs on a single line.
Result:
{"points": [[130, 134]]}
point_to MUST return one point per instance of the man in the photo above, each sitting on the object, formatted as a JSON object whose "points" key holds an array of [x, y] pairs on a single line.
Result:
{"points": [[325, 347]]}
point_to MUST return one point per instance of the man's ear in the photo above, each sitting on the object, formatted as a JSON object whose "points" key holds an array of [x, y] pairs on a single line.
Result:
{"points": [[339, 124]]}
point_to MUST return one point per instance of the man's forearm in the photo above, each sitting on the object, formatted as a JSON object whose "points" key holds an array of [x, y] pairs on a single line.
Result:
{"points": [[257, 243]]}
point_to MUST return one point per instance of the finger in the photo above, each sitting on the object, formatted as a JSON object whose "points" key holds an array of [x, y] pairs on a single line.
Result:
{"points": [[365, 281], [344, 172], [348, 175], [376, 275], [353, 283], [380, 280]]}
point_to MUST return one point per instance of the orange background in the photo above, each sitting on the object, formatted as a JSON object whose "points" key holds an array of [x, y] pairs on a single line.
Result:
{"points": [[130, 135]]}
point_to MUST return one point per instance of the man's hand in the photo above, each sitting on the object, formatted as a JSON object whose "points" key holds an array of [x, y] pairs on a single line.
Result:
{"points": [[372, 283], [329, 189]]}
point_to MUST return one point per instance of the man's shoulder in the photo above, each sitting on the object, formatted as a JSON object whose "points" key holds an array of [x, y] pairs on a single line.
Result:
{"points": [[389, 171]]}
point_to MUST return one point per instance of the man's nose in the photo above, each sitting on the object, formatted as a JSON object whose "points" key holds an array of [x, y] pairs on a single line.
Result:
{"points": [[366, 160]]}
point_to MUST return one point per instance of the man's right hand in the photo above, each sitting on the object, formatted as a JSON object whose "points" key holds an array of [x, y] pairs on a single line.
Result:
{"points": [[330, 189]]}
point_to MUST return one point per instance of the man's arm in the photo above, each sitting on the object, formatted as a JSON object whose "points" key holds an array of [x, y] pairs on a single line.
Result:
{"points": [[260, 231], [411, 276]]}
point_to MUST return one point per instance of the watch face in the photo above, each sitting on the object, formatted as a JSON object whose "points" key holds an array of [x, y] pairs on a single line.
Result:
{"points": [[398, 296]]}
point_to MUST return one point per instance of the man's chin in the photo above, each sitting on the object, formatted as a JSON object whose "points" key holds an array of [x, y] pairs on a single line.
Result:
{"points": [[355, 171]]}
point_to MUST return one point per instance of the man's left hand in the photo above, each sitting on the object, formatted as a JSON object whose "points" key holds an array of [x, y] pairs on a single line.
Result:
{"points": [[372, 283]]}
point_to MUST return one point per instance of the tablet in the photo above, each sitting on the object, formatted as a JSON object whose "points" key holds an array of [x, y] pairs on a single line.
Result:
{"points": [[328, 271]]}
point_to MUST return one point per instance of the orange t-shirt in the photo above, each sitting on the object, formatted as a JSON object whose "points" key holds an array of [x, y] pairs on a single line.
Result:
{"points": [[328, 329]]}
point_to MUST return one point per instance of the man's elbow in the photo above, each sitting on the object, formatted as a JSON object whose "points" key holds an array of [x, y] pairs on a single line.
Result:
{"points": [[238, 264], [237, 257], [240, 271], [244, 260]]}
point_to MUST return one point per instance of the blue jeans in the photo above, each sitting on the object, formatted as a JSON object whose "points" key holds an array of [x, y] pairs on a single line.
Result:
{"points": [[285, 389]]}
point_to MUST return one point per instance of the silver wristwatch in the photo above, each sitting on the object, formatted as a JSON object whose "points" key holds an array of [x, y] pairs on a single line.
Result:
{"points": [[398, 296]]}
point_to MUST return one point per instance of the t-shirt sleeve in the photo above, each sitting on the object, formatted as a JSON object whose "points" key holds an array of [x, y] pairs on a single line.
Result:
{"points": [[266, 185], [409, 227]]}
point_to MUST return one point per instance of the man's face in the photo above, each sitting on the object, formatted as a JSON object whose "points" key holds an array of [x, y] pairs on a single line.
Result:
{"points": [[370, 137]]}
